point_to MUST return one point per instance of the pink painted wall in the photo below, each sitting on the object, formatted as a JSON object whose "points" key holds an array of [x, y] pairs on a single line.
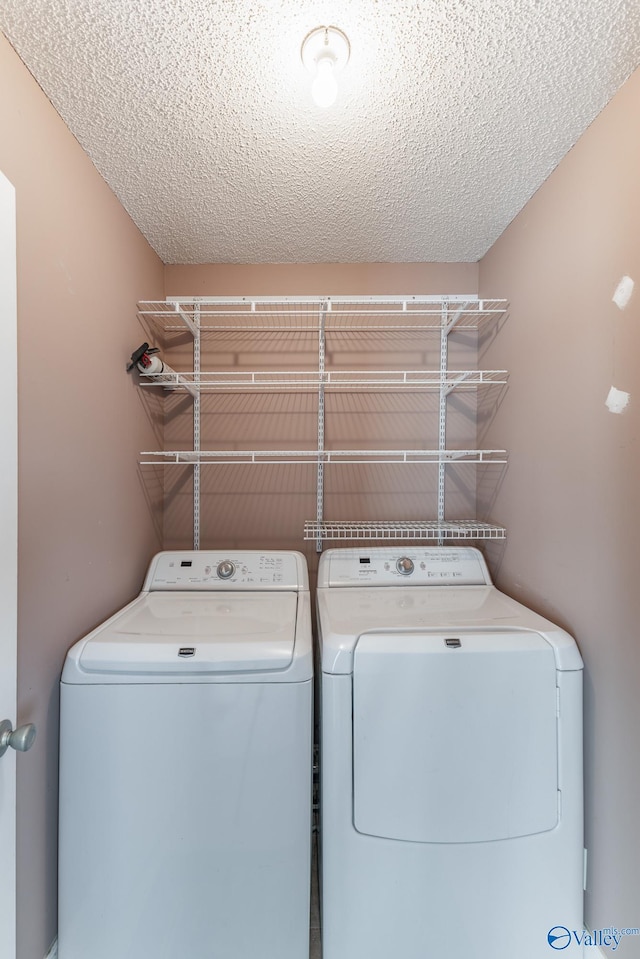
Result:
{"points": [[320, 279], [571, 496], [86, 530]]}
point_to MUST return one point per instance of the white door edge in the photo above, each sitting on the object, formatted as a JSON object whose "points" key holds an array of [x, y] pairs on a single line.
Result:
{"points": [[8, 560]]}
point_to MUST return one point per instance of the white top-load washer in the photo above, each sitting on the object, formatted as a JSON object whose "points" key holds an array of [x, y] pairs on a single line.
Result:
{"points": [[186, 766], [451, 762]]}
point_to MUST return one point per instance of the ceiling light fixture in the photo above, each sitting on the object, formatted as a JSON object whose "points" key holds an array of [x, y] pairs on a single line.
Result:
{"points": [[325, 51]]}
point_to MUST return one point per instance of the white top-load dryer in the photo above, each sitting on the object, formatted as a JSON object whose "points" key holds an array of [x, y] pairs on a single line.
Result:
{"points": [[451, 762], [186, 766]]}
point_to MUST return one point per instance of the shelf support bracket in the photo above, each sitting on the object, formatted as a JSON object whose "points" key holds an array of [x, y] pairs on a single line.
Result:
{"points": [[196, 426], [448, 324], [321, 381], [445, 326], [188, 322], [457, 381]]}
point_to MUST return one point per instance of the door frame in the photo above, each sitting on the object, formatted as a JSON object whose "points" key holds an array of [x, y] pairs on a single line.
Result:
{"points": [[8, 559]]}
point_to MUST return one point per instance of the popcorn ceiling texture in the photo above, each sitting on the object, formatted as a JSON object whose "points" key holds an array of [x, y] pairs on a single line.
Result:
{"points": [[451, 113]]}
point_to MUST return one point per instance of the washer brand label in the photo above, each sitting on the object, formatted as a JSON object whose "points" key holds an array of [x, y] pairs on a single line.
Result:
{"points": [[187, 651]]}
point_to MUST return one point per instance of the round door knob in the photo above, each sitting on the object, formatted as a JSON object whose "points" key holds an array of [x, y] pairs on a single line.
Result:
{"points": [[405, 565], [21, 738], [226, 569]]}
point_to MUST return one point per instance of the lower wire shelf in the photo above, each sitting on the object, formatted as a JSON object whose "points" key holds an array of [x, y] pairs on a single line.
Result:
{"points": [[421, 530]]}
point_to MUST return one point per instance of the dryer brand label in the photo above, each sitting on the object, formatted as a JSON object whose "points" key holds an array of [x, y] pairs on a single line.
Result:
{"points": [[186, 651]]}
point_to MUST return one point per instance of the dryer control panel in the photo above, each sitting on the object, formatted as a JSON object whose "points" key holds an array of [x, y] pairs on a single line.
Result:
{"points": [[236, 569], [408, 566]]}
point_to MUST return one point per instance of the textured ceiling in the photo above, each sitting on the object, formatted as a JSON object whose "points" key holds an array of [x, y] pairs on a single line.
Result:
{"points": [[450, 115]]}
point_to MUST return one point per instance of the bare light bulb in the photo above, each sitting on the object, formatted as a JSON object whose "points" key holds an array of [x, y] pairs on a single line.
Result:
{"points": [[324, 52], [324, 88]]}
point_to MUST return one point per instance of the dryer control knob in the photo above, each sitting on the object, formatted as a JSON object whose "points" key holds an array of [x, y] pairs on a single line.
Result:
{"points": [[226, 569], [405, 565]]}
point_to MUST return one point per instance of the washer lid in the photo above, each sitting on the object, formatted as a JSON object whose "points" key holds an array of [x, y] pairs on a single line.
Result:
{"points": [[195, 632]]}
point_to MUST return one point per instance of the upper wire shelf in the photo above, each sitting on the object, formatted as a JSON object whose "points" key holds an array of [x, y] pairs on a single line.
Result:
{"points": [[302, 314]]}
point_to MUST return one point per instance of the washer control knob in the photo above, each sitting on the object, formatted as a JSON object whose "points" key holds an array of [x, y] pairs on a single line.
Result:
{"points": [[226, 569], [405, 565]]}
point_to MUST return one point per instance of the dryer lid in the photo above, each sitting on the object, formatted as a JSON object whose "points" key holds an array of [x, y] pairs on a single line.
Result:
{"points": [[195, 632], [344, 614]]}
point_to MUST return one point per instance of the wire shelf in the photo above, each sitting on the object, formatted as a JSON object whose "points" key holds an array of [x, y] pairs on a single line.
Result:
{"points": [[233, 382], [302, 314], [324, 326], [417, 530], [338, 457]]}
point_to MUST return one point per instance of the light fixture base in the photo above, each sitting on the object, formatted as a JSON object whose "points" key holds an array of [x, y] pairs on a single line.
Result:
{"points": [[325, 42]]}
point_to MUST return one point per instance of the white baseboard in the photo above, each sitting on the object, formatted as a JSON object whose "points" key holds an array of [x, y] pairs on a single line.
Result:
{"points": [[53, 950]]}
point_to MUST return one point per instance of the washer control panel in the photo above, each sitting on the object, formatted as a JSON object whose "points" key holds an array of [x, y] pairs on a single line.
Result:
{"points": [[213, 569], [382, 566]]}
